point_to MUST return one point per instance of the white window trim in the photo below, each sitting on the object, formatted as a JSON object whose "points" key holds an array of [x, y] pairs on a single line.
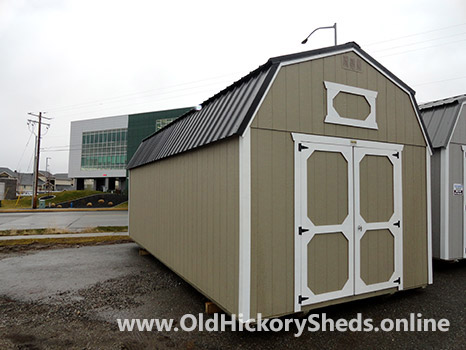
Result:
{"points": [[333, 117]]}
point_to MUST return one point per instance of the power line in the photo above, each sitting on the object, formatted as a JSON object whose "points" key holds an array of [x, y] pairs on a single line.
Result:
{"points": [[423, 48], [440, 81], [416, 34], [24, 151], [138, 103], [417, 43], [144, 92]]}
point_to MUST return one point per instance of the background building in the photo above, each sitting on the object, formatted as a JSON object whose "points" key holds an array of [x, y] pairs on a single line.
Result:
{"points": [[100, 148], [24, 182]]}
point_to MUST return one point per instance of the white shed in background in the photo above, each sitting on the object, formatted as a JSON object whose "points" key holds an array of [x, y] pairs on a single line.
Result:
{"points": [[445, 121]]}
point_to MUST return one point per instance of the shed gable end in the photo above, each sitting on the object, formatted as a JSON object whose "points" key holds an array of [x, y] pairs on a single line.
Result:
{"points": [[297, 101]]}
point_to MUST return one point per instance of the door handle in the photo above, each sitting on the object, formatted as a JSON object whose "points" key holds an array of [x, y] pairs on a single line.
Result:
{"points": [[359, 228]]}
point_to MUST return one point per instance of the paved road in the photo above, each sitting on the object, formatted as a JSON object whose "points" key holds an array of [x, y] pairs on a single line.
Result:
{"points": [[69, 220]]}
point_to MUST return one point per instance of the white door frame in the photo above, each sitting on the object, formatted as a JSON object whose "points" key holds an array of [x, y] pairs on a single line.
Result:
{"points": [[299, 181]]}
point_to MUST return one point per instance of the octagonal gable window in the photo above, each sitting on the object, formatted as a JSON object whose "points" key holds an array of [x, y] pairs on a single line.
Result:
{"points": [[349, 105]]}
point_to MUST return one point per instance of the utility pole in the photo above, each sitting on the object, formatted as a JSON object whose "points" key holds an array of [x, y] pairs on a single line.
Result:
{"points": [[37, 152]]}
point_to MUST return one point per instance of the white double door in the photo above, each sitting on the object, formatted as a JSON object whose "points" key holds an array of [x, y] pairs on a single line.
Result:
{"points": [[349, 218]]}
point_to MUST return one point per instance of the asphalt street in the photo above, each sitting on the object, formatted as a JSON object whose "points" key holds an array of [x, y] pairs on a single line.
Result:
{"points": [[63, 220]]}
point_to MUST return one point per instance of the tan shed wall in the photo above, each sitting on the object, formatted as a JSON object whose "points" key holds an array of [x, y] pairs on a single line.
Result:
{"points": [[296, 102], [185, 211]]}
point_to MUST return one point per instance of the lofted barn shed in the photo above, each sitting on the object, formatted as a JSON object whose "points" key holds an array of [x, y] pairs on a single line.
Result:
{"points": [[304, 184]]}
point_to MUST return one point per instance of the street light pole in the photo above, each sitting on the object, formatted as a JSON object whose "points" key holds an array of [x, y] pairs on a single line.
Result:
{"points": [[315, 30]]}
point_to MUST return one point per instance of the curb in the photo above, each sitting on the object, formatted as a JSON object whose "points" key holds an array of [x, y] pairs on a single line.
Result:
{"points": [[58, 210]]}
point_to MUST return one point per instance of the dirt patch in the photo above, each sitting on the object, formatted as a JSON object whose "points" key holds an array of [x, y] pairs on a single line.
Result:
{"points": [[60, 231], [35, 246]]}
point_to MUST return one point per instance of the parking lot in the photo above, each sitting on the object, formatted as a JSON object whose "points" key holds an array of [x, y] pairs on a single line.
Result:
{"points": [[71, 297]]}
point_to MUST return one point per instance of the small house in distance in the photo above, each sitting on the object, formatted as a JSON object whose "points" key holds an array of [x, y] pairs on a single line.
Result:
{"points": [[303, 184], [445, 121]]}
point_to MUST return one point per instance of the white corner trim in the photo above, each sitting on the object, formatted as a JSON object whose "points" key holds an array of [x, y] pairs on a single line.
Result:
{"points": [[444, 203], [244, 283], [430, 279], [333, 117]]}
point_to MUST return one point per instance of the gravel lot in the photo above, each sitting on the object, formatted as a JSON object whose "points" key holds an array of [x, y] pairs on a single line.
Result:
{"points": [[71, 297]]}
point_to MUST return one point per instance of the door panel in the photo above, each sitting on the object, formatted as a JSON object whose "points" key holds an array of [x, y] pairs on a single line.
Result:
{"points": [[326, 174], [378, 224], [327, 190], [377, 258], [327, 262], [376, 188]]}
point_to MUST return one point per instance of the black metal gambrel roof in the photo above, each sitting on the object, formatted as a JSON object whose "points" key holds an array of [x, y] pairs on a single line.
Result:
{"points": [[229, 112]]}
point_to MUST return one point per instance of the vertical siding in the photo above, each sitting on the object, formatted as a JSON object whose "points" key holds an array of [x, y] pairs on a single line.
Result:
{"points": [[185, 211], [435, 189], [455, 226], [272, 222], [414, 217], [297, 102]]}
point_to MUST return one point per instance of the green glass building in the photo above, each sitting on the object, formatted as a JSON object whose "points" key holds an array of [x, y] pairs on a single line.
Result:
{"points": [[100, 148]]}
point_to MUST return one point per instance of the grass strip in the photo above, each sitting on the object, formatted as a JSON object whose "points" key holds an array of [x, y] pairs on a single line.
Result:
{"points": [[58, 231]]}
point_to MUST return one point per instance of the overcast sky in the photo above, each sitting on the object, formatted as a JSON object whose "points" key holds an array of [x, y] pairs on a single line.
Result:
{"points": [[82, 59]]}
